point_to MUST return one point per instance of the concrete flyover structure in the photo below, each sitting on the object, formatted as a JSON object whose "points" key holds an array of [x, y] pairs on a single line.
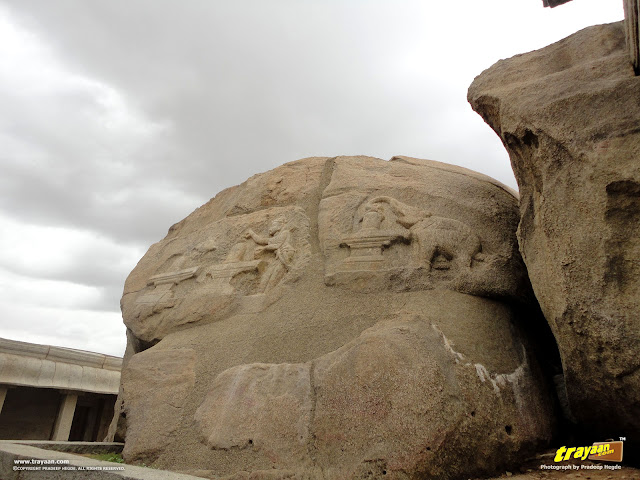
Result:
{"points": [[55, 393]]}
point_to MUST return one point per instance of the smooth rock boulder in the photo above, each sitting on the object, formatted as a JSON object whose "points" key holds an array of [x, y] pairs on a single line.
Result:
{"points": [[569, 116], [337, 318]]}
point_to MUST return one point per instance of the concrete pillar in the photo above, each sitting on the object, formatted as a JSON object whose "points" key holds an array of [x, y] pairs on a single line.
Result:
{"points": [[104, 418], [62, 427], [3, 395], [90, 425]]}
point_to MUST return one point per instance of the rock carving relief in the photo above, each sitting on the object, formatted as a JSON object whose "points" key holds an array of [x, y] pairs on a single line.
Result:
{"points": [[279, 245], [367, 244], [266, 258], [399, 240], [162, 285], [437, 242]]}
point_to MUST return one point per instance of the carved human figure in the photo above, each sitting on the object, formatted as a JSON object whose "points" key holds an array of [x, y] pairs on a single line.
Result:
{"points": [[278, 242], [435, 237]]}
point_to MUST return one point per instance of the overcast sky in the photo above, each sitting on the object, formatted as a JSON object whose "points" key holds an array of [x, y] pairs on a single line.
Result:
{"points": [[120, 117]]}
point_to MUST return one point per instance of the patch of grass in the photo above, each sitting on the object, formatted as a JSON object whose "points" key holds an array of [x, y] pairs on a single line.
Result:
{"points": [[107, 457]]}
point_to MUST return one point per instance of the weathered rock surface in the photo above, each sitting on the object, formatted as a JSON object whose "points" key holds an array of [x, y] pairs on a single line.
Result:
{"points": [[569, 116], [337, 318], [150, 374]]}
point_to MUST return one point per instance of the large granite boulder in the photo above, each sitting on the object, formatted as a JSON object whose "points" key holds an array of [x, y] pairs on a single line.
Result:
{"points": [[569, 116], [337, 318]]}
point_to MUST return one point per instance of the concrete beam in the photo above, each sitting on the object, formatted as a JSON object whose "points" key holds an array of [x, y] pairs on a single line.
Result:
{"points": [[60, 354], [44, 366], [24, 371], [62, 427], [553, 3]]}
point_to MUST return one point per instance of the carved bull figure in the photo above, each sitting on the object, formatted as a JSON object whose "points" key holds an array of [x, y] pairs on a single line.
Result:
{"points": [[437, 241]]}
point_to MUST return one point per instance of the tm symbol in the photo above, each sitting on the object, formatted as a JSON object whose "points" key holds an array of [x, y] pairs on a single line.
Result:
{"points": [[623, 439]]}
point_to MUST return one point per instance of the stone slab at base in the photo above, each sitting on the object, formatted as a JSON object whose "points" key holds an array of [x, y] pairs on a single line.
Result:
{"points": [[10, 452], [70, 447]]}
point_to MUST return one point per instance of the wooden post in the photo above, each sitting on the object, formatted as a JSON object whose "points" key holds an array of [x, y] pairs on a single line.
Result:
{"points": [[632, 30]]}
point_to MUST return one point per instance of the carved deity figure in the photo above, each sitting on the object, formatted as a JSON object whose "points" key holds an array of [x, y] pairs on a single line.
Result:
{"points": [[279, 243], [373, 217], [435, 239]]}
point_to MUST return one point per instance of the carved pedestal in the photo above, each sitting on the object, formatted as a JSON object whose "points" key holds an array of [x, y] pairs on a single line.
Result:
{"points": [[163, 283], [365, 250], [221, 275]]}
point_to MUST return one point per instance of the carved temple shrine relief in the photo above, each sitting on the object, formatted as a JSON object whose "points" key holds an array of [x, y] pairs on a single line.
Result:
{"points": [[436, 243], [367, 244]]}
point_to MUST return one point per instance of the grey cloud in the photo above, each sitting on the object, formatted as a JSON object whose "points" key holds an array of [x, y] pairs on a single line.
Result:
{"points": [[241, 95], [235, 88], [220, 91], [41, 198], [108, 299], [91, 268], [238, 78]]}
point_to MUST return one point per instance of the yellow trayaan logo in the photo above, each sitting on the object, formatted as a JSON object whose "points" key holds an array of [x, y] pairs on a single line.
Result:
{"points": [[610, 451]]}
